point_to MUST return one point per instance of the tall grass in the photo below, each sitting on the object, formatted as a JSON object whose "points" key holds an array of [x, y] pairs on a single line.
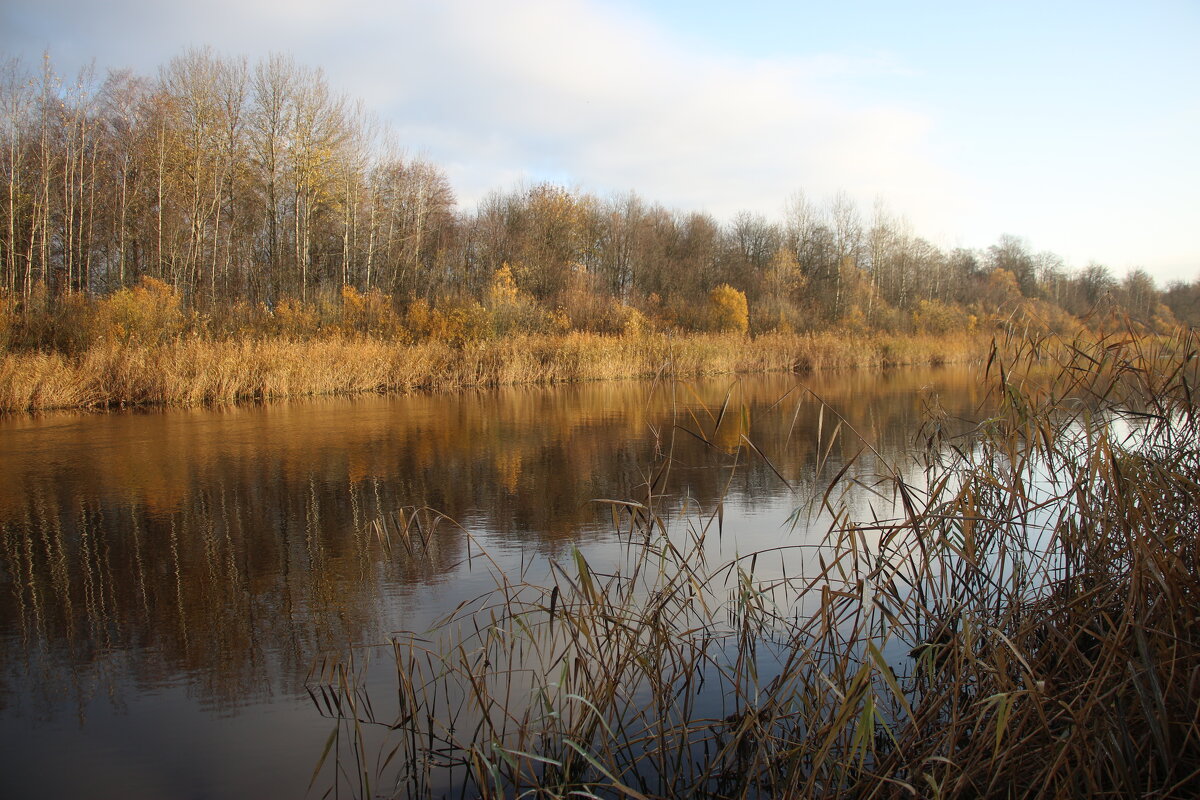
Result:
{"points": [[1023, 622], [195, 371]]}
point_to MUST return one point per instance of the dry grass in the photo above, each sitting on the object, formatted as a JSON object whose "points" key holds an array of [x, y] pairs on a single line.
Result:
{"points": [[1023, 623], [194, 371]]}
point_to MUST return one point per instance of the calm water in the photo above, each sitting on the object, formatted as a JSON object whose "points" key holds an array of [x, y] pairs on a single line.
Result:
{"points": [[168, 579]]}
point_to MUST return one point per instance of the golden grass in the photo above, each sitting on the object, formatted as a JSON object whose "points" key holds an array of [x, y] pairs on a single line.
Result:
{"points": [[193, 371], [1021, 621]]}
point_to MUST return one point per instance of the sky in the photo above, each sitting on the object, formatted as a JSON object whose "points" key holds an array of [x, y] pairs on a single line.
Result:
{"points": [[1073, 125]]}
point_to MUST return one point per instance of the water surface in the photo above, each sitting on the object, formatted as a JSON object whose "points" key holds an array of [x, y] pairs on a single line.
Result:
{"points": [[169, 578]]}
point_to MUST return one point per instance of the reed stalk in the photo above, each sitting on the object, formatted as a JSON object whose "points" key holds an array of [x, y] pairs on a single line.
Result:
{"points": [[196, 371], [1021, 622]]}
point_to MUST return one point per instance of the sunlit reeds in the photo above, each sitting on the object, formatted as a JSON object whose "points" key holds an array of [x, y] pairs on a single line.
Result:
{"points": [[196, 371], [1022, 622]]}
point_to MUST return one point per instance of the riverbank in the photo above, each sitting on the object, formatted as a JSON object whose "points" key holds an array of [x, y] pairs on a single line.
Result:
{"points": [[192, 372]]}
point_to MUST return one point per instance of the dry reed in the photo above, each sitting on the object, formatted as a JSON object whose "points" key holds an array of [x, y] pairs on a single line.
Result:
{"points": [[194, 371], [1024, 623]]}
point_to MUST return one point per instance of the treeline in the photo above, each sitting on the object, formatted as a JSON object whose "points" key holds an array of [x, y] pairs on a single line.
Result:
{"points": [[254, 192]]}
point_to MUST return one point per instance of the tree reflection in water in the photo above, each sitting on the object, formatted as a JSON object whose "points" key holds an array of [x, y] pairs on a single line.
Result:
{"points": [[226, 549]]}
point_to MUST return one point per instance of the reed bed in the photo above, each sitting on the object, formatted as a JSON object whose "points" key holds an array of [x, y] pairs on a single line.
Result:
{"points": [[1022, 619], [195, 371]]}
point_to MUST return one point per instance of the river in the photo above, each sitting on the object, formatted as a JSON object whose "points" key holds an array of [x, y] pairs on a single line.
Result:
{"points": [[169, 578]]}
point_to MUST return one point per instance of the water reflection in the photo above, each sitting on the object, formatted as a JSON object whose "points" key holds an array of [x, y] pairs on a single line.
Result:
{"points": [[222, 551]]}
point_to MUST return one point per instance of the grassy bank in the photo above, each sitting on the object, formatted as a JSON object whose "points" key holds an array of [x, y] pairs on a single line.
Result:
{"points": [[195, 371], [1017, 618]]}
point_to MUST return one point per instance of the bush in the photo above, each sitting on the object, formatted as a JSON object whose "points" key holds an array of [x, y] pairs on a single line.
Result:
{"points": [[370, 313], [633, 322], [597, 313], [511, 310], [457, 325], [729, 311], [294, 319], [777, 315], [938, 318], [149, 313], [236, 320], [589, 310]]}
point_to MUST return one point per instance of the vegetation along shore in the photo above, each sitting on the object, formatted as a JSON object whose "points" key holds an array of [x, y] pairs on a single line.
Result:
{"points": [[230, 230], [1017, 619], [137, 347]]}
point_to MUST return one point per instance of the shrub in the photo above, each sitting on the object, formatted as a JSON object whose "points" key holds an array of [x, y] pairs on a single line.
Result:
{"points": [[149, 313], [503, 288], [237, 320], [294, 319], [370, 313], [729, 310], [938, 318], [514, 311], [633, 322], [466, 322], [777, 315]]}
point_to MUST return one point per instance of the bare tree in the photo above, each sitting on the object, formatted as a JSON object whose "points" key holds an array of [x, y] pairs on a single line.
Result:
{"points": [[17, 101], [269, 126]]}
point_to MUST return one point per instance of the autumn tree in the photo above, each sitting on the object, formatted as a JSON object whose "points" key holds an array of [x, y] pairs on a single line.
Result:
{"points": [[728, 309], [17, 103], [781, 293], [270, 122], [259, 185], [1011, 253], [413, 206]]}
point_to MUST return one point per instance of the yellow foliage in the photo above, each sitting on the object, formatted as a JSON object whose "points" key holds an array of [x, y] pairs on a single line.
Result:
{"points": [[371, 313], [503, 289], [633, 322], [514, 311], [777, 314], [938, 318], [559, 321], [1001, 289], [456, 326], [854, 320], [729, 309], [149, 312], [419, 318], [294, 318], [1163, 321], [784, 278]]}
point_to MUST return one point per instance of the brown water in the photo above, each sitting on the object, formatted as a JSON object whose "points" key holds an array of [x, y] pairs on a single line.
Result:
{"points": [[169, 578]]}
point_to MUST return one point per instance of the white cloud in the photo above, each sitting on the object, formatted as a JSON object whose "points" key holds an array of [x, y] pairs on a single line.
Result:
{"points": [[565, 88], [597, 96]]}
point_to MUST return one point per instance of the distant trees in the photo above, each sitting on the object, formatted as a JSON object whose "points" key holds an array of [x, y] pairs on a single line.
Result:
{"points": [[1183, 300], [232, 182], [1012, 254], [224, 180]]}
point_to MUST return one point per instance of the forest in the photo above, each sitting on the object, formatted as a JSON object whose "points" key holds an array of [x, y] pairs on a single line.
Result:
{"points": [[223, 197]]}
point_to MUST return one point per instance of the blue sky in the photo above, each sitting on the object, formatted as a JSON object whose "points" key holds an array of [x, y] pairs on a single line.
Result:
{"points": [[1071, 124]]}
